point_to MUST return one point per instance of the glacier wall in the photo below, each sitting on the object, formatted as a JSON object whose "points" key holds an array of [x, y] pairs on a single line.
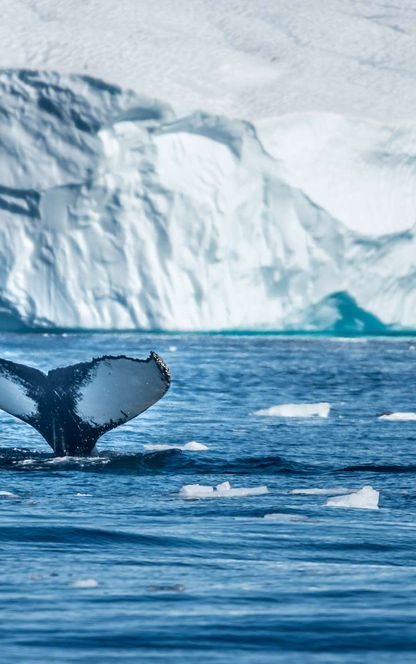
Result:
{"points": [[115, 214]]}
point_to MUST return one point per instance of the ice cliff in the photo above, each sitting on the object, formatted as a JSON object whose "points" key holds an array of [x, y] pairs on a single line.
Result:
{"points": [[115, 214]]}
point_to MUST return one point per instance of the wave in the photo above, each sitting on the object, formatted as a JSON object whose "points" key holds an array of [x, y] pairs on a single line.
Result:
{"points": [[77, 536], [166, 461], [382, 468]]}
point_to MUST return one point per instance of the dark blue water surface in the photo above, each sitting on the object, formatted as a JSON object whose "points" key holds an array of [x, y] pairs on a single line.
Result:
{"points": [[212, 580]]}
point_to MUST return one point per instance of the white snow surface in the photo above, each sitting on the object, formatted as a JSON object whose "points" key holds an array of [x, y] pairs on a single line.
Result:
{"points": [[365, 498], [295, 410], [223, 490], [398, 417], [239, 58]]}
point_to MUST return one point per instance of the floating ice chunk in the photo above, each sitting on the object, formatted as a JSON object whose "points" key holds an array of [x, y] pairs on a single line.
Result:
{"points": [[224, 486], [85, 583], [320, 492], [173, 349], [192, 491], [278, 516], [296, 410], [192, 446], [223, 490], [84, 495], [8, 494], [365, 499], [398, 417]]}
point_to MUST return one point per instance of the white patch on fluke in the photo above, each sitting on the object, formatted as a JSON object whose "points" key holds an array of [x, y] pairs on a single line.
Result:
{"points": [[14, 399], [398, 417], [295, 410], [223, 490], [119, 389], [366, 499]]}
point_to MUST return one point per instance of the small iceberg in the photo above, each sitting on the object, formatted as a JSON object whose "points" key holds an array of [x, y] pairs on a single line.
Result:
{"points": [[296, 410], [320, 492], [365, 499], [192, 446], [223, 490], [398, 417]]}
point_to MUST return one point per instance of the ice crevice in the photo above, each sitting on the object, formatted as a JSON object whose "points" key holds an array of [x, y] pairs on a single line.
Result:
{"points": [[301, 222]]}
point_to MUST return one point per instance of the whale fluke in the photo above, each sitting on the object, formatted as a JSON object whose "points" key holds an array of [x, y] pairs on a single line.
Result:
{"points": [[73, 406]]}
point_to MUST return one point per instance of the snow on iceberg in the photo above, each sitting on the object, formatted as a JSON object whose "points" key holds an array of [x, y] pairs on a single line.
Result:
{"points": [[223, 490], [365, 498], [110, 206], [398, 417], [295, 410]]}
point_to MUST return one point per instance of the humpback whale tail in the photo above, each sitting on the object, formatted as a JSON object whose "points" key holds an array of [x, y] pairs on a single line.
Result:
{"points": [[73, 406]]}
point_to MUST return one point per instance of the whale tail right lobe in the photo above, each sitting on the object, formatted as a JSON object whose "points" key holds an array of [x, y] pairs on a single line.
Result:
{"points": [[72, 407]]}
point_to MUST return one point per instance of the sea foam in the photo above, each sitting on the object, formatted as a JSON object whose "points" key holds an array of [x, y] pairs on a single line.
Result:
{"points": [[295, 410]]}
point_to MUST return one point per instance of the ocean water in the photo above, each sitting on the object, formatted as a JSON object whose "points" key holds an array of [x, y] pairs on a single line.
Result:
{"points": [[103, 561]]}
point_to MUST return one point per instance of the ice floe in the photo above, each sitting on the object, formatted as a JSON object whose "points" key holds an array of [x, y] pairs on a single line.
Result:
{"points": [[398, 417], [366, 498], [85, 583], [223, 490], [192, 446], [332, 491], [280, 516], [296, 410], [8, 494]]}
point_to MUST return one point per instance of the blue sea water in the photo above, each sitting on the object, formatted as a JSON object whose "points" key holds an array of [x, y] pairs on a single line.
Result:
{"points": [[212, 580]]}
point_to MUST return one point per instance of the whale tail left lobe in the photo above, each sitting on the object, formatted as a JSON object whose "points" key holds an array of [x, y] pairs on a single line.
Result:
{"points": [[72, 407]]}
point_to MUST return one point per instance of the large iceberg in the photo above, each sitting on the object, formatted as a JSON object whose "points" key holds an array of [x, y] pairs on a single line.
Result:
{"points": [[115, 214]]}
